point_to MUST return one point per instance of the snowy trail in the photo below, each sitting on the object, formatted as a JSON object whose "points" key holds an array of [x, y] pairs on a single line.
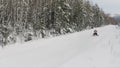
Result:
{"points": [[74, 50], [102, 54]]}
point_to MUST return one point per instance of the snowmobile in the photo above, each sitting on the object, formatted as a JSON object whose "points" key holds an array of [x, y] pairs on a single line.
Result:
{"points": [[95, 33]]}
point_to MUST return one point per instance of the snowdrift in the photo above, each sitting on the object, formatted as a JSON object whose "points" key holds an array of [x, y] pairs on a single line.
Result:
{"points": [[80, 49]]}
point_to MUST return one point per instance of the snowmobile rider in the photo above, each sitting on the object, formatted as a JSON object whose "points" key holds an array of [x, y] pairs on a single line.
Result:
{"points": [[95, 33]]}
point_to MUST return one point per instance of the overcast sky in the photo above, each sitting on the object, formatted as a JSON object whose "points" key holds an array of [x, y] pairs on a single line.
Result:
{"points": [[109, 6]]}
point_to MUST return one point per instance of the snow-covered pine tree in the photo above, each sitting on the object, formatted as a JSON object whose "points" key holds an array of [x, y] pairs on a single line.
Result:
{"points": [[62, 16]]}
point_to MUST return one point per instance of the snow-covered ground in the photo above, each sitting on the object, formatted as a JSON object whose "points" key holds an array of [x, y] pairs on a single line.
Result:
{"points": [[75, 50]]}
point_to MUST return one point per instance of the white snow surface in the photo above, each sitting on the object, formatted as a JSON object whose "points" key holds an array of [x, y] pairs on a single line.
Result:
{"points": [[77, 50]]}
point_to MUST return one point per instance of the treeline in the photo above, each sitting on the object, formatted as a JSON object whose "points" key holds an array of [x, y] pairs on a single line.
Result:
{"points": [[24, 20]]}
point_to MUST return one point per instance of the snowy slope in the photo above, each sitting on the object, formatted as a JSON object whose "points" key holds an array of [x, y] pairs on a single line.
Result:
{"points": [[74, 50]]}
